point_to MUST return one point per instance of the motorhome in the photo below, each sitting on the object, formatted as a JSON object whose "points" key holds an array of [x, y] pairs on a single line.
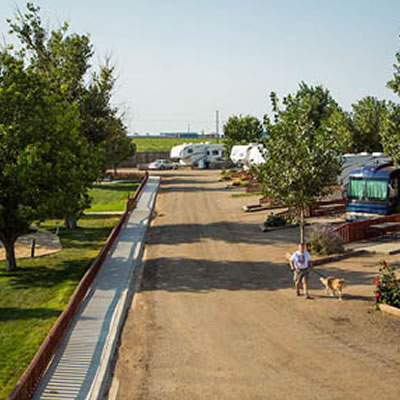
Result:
{"points": [[197, 154], [352, 162], [373, 191]]}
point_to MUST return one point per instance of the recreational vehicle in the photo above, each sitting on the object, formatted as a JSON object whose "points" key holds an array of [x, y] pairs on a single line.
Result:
{"points": [[197, 154], [248, 155], [373, 191]]}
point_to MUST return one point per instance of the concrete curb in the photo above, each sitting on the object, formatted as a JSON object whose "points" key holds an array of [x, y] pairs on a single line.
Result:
{"points": [[103, 379], [390, 309], [338, 257]]}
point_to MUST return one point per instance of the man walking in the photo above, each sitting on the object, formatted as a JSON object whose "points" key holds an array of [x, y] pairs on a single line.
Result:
{"points": [[300, 264]]}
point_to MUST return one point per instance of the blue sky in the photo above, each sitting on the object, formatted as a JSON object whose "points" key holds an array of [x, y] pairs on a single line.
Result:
{"points": [[179, 61]]}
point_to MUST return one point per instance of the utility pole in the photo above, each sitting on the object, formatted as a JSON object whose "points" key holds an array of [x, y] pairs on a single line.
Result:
{"points": [[217, 125]]}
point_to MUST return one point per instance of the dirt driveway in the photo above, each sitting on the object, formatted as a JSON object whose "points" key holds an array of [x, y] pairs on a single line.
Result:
{"points": [[217, 318]]}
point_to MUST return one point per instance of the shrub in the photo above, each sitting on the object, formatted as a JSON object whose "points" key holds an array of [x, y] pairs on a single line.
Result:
{"points": [[387, 286], [275, 220], [324, 240]]}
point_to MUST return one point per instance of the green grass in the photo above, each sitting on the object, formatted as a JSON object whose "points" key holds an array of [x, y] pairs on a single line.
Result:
{"points": [[157, 144], [258, 194], [33, 297], [111, 197]]}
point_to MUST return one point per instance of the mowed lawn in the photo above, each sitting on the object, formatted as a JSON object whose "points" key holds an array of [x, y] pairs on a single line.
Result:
{"points": [[33, 297], [111, 196], [157, 144]]}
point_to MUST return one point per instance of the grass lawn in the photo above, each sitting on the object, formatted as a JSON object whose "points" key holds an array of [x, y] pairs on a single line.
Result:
{"points": [[111, 197], [157, 144], [33, 297], [258, 194]]}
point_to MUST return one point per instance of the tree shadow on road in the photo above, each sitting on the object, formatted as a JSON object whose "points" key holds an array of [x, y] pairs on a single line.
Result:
{"points": [[203, 276], [231, 232]]}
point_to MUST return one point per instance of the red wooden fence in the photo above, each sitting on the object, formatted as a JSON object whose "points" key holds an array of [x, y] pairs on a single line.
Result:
{"points": [[360, 230]]}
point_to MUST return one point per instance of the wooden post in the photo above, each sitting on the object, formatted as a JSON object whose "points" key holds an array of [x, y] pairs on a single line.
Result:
{"points": [[33, 248]]}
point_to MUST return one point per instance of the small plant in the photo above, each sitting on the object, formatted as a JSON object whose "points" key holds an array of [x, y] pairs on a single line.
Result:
{"points": [[387, 286], [225, 175], [324, 240], [275, 220]]}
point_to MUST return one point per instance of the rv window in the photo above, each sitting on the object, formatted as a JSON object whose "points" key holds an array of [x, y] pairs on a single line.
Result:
{"points": [[377, 189], [208, 153], [356, 189], [215, 152], [190, 151]]}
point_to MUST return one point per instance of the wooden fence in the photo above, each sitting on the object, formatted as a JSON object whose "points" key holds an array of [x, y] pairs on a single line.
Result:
{"points": [[360, 230], [30, 379]]}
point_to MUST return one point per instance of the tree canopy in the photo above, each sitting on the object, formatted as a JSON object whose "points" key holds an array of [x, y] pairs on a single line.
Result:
{"points": [[64, 59], [241, 130], [391, 136], [39, 135], [57, 126], [303, 148], [369, 122]]}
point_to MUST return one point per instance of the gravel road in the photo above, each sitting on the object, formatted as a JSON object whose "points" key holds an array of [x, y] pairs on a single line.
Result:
{"points": [[216, 316]]}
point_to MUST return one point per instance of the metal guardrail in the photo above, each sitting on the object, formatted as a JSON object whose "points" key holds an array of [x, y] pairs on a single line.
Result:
{"points": [[28, 382]]}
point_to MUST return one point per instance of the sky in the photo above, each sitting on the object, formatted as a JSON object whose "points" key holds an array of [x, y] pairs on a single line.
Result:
{"points": [[178, 61]]}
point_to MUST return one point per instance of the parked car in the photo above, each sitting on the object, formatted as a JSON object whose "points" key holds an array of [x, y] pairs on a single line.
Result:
{"points": [[161, 164]]}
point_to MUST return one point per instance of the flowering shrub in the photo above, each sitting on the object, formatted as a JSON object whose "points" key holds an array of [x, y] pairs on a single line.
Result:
{"points": [[387, 286], [324, 240]]}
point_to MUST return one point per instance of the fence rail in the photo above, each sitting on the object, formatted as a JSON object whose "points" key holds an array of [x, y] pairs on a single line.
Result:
{"points": [[31, 377], [360, 230]]}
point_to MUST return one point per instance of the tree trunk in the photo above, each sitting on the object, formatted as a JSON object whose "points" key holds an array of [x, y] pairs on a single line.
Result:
{"points": [[11, 264], [70, 222], [115, 169], [302, 225]]}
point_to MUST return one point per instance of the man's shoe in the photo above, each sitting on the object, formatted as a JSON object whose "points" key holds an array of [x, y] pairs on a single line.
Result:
{"points": [[307, 296], [297, 294]]}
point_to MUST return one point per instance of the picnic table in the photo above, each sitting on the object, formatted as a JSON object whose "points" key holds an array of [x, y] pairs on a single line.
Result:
{"points": [[384, 228]]}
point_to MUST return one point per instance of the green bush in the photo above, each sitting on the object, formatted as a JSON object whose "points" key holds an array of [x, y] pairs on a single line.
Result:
{"points": [[324, 240], [387, 290], [274, 220]]}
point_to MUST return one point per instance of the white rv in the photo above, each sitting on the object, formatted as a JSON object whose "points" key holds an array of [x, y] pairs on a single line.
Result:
{"points": [[197, 154], [248, 155]]}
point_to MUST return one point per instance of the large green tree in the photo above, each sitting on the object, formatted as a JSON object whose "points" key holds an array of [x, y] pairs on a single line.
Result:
{"points": [[241, 130], [304, 144], [64, 59], [369, 122], [391, 136], [39, 135]]}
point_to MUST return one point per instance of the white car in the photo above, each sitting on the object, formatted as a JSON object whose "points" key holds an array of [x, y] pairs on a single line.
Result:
{"points": [[161, 164]]}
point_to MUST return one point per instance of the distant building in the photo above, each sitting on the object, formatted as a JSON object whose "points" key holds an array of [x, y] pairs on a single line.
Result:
{"points": [[183, 135]]}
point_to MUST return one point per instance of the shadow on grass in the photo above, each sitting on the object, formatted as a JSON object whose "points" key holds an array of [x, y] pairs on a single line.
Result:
{"points": [[17, 314], [117, 187]]}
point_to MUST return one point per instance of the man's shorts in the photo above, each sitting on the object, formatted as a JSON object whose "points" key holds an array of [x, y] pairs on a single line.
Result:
{"points": [[300, 274]]}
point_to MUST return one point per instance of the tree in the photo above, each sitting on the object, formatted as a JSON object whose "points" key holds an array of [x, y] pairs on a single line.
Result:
{"points": [[119, 146], [369, 123], [241, 130], [39, 132], [391, 136], [64, 59], [303, 148]]}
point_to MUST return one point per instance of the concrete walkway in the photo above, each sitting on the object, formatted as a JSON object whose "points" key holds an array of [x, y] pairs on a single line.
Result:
{"points": [[81, 367]]}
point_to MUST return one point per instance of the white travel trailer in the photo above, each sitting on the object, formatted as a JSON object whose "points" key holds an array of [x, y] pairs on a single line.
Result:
{"points": [[248, 155], [197, 154]]}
